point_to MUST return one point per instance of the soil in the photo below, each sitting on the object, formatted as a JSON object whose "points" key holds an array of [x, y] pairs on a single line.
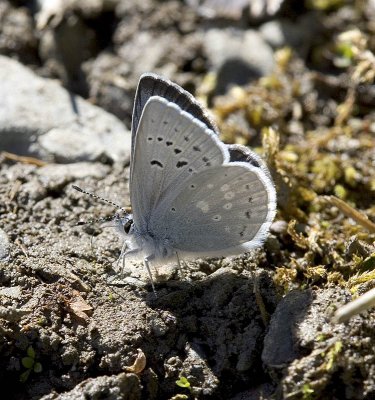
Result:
{"points": [[255, 326]]}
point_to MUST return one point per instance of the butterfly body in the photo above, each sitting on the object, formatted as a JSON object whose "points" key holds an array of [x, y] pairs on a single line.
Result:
{"points": [[142, 243]]}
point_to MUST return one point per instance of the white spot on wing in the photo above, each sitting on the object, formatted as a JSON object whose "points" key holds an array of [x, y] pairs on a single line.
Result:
{"points": [[229, 195], [217, 217], [225, 187], [228, 206], [210, 186], [203, 206]]}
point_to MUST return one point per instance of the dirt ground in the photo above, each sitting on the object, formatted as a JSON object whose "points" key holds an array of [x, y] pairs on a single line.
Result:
{"points": [[296, 82]]}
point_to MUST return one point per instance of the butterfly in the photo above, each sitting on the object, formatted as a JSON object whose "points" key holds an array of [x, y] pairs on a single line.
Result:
{"points": [[191, 194]]}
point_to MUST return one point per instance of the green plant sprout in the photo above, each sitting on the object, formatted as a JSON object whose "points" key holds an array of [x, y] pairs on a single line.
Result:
{"points": [[307, 392], [183, 382], [332, 355], [30, 364]]}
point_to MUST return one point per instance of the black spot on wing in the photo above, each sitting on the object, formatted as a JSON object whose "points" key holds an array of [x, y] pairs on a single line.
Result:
{"points": [[242, 233], [181, 164], [157, 163]]}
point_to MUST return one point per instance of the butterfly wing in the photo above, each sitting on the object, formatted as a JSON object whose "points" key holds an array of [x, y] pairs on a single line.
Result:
{"points": [[220, 211], [170, 146]]}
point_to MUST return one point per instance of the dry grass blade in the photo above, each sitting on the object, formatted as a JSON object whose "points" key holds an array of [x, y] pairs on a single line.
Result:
{"points": [[351, 212], [363, 303], [23, 159]]}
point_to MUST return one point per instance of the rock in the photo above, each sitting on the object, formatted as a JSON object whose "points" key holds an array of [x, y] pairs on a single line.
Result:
{"points": [[280, 341], [232, 9], [67, 145], [4, 246], [264, 8], [38, 117], [195, 366], [113, 79], [14, 292], [299, 34], [67, 37], [12, 314], [298, 320], [235, 9], [17, 38], [63, 49], [340, 350], [109, 86], [279, 227], [117, 387], [237, 56], [56, 176], [157, 47]]}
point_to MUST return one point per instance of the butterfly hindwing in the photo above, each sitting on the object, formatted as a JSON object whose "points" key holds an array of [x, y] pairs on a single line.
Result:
{"points": [[223, 210]]}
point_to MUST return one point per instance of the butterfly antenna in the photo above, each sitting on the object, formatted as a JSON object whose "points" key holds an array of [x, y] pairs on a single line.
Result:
{"points": [[96, 197], [96, 221]]}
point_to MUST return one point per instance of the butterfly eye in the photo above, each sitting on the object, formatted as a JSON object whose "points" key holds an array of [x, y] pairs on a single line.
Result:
{"points": [[128, 224]]}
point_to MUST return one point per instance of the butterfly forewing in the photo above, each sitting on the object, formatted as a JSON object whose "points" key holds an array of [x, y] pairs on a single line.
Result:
{"points": [[219, 210], [153, 85], [171, 146]]}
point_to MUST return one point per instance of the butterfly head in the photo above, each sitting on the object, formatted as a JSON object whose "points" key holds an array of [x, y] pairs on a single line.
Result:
{"points": [[125, 224]]}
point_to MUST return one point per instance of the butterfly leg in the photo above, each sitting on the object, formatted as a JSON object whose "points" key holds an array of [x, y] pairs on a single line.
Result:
{"points": [[124, 253], [122, 257], [179, 266], [146, 261], [92, 243]]}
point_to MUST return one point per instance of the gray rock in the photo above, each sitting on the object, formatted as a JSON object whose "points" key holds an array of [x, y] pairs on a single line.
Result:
{"points": [[117, 387], [109, 86], [157, 47], [264, 8], [4, 246], [299, 34], [195, 365], [237, 56], [298, 320], [17, 38], [272, 32], [280, 342], [12, 314], [14, 292], [39, 117], [234, 9], [112, 78], [55, 175]]}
